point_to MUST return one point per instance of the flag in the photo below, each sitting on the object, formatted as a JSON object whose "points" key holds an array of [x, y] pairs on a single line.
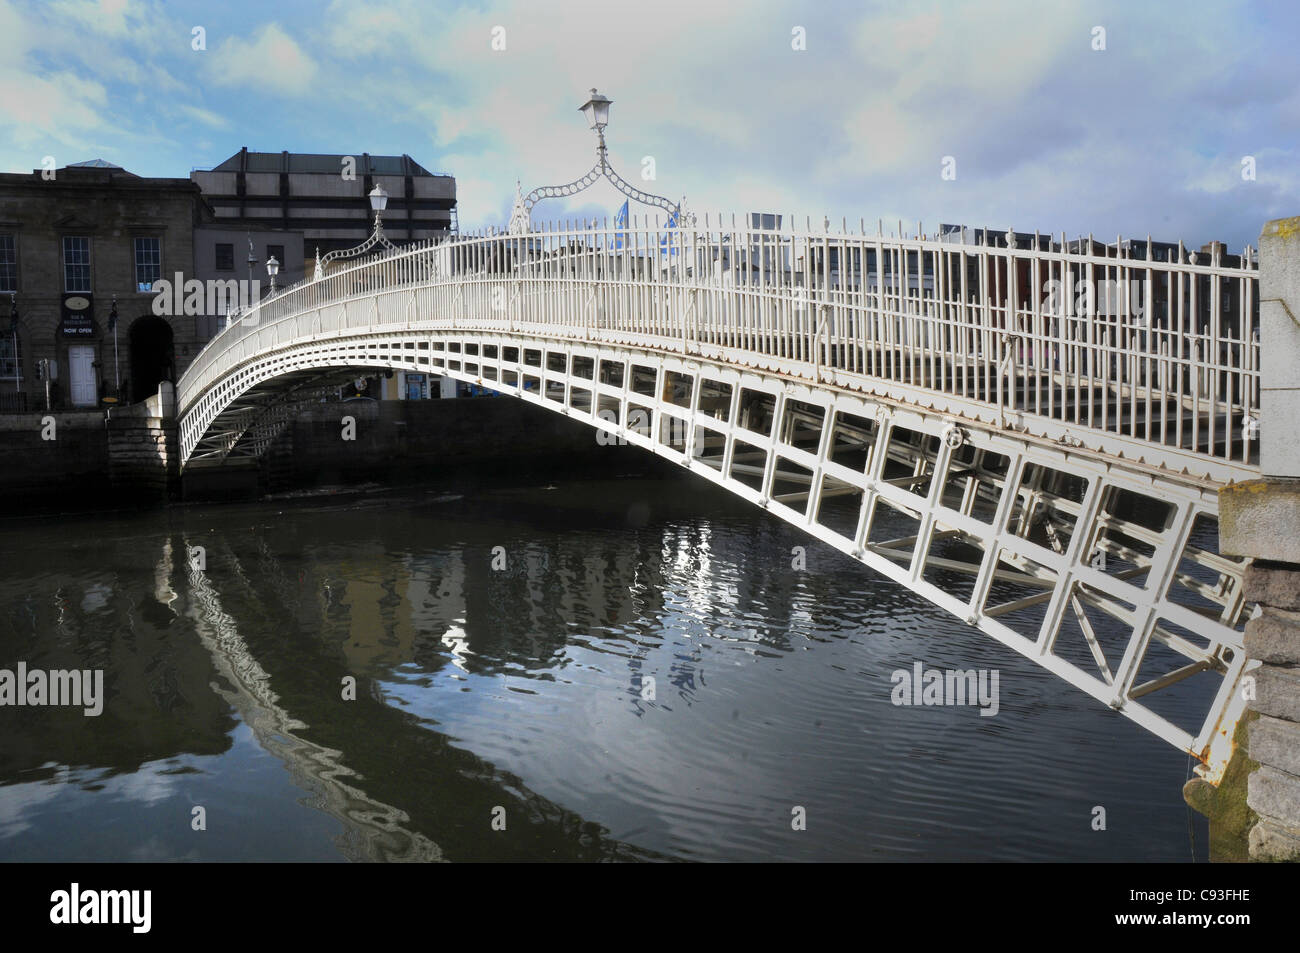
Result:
{"points": [[665, 244], [620, 221]]}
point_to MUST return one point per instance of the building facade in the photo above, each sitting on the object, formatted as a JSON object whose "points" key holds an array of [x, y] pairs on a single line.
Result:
{"points": [[224, 255], [77, 243], [324, 197]]}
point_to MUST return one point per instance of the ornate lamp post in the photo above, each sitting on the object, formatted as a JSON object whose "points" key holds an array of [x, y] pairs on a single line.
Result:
{"points": [[272, 269], [596, 109], [252, 259], [378, 202]]}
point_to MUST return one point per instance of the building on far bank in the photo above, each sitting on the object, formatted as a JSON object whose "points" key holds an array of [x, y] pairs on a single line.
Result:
{"points": [[223, 254], [325, 197], [71, 241]]}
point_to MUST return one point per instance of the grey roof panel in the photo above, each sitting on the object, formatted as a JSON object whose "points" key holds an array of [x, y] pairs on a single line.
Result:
{"points": [[323, 163]]}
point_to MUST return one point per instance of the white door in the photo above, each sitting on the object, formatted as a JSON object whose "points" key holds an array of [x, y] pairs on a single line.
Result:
{"points": [[81, 375]]}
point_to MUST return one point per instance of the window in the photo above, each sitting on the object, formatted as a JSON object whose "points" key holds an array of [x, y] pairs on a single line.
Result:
{"points": [[8, 264], [276, 252], [76, 263], [148, 263], [9, 368], [225, 257]]}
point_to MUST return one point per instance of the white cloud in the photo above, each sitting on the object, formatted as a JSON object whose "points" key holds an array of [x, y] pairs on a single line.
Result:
{"points": [[75, 110], [105, 17], [270, 61], [204, 116], [362, 30], [1046, 132]]}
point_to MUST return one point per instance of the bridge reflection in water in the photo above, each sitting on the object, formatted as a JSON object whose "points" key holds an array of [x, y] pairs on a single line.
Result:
{"points": [[1044, 468], [525, 688]]}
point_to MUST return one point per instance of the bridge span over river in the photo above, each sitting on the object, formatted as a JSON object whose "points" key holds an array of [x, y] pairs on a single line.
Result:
{"points": [[1030, 433]]}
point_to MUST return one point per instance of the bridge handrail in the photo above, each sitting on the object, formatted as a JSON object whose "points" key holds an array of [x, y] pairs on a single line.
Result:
{"points": [[1170, 357]]}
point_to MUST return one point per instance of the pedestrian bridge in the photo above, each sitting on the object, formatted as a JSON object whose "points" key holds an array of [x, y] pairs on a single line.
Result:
{"points": [[1029, 433]]}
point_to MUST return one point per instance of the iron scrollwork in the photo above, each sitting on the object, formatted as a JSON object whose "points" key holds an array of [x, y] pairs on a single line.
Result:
{"points": [[521, 216]]}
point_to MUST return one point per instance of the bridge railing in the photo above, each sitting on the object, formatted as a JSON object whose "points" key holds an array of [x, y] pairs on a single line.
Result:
{"points": [[1147, 342]]}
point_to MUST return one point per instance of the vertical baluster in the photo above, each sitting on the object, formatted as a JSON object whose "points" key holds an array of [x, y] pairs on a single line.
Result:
{"points": [[1213, 363], [1177, 343], [1196, 377]]}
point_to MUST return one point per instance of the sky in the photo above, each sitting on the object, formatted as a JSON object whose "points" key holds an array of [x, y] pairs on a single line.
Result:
{"points": [[1176, 119]]}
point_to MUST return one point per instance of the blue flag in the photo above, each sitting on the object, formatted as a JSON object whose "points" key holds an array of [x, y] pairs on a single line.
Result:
{"points": [[665, 244], [620, 221]]}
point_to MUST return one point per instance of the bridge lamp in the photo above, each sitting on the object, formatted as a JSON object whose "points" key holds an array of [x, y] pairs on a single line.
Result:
{"points": [[597, 110], [378, 202], [272, 269]]}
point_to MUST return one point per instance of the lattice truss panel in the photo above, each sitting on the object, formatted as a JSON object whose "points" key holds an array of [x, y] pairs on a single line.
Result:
{"points": [[1105, 573], [252, 420]]}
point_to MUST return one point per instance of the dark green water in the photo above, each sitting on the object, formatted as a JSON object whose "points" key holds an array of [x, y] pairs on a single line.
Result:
{"points": [[521, 697]]}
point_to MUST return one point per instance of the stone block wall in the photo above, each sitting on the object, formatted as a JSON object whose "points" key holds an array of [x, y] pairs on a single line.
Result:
{"points": [[60, 459], [1273, 637]]}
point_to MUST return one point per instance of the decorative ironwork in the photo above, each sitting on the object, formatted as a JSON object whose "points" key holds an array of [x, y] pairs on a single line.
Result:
{"points": [[520, 216], [377, 238]]}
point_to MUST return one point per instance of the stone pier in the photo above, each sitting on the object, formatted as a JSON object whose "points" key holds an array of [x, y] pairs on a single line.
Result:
{"points": [[1261, 519], [143, 445]]}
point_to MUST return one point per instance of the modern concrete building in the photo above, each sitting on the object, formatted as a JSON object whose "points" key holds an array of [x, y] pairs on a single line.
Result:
{"points": [[324, 196], [73, 240]]}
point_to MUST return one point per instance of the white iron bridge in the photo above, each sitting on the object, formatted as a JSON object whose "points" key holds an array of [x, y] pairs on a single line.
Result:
{"points": [[1030, 433]]}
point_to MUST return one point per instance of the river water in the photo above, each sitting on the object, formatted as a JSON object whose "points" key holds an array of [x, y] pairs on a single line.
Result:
{"points": [[599, 668]]}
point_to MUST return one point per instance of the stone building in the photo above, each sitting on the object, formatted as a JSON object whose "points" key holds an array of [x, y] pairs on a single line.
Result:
{"points": [[324, 197], [72, 242]]}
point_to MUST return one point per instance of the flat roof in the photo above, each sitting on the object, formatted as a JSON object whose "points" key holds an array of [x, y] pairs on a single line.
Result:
{"points": [[319, 163]]}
